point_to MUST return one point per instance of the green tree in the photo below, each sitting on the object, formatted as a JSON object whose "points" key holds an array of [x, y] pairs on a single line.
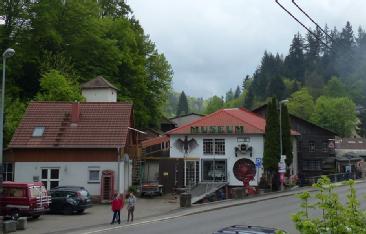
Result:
{"points": [[286, 135], [237, 92], [294, 62], [335, 88], [327, 114], [335, 216], [56, 87], [301, 104], [182, 104], [229, 95], [213, 104], [14, 110], [271, 155], [82, 39]]}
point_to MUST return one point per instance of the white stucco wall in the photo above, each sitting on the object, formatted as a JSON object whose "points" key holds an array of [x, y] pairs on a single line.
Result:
{"points": [[100, 95], [256, 141], [76, 173]]}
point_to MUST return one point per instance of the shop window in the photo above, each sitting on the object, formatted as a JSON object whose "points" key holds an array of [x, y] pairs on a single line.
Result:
{"points": [[207, 146], [213, 170], [311, 165], [311, 146], [8, 173], [220, 146]]}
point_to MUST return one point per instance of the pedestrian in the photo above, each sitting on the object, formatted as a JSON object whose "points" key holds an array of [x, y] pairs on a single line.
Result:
{"points": [[131, 202], [117, 205]]}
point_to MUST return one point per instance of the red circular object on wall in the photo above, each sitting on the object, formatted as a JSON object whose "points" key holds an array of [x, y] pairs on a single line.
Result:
{"points": [[244, 170]]}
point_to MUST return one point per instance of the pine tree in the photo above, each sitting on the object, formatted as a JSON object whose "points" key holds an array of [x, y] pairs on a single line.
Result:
{"points": [[294, 62], [182, 104], [286, 135], [237, 92], [271, 155], [249, 99], [276, 88], [229, 95]]}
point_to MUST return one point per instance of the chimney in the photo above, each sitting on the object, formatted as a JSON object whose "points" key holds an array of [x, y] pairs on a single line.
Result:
{"points": [[75, 112]]}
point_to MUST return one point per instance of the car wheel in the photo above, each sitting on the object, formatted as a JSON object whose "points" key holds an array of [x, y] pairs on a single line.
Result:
{"points": [[35, 216], [80, 211]]}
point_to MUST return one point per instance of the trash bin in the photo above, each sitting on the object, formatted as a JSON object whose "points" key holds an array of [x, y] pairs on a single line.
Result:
{"points": [[185, 200], [238, 193]]}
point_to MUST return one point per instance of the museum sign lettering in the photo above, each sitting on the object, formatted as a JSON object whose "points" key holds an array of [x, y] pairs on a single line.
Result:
{"points": [[217, 130]]}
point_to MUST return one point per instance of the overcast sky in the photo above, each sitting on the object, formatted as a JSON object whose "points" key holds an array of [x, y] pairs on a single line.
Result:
{"points": [[213, 44]]}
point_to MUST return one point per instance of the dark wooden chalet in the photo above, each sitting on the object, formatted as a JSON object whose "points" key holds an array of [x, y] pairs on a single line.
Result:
{"points": [[315, 146]]}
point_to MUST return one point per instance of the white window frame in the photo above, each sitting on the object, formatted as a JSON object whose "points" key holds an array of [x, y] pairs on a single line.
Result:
{"points": [[6, 172], [48, 180], [90, 169]]}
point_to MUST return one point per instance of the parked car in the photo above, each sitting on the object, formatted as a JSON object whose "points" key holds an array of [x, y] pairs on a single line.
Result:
{"points": [[243, 229], [69, 199], [24, 199], [151, 189]]}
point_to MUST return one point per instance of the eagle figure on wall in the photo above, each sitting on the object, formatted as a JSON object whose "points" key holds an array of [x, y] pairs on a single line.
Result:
{"points": [[185, 145]]}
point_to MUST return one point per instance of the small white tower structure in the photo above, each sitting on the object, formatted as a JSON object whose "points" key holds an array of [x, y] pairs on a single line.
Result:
{"points": [[99, 90]]}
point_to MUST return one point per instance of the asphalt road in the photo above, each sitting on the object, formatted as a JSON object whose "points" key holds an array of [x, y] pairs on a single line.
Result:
{"points": [[271, 213]]}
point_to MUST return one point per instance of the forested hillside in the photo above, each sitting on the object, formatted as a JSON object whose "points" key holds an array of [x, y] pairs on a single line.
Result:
{"points": [[325, 83], [62, 43]]}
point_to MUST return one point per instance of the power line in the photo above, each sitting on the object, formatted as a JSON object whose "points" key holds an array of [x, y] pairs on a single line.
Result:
{"points": [[307, 15], [303, 25]]}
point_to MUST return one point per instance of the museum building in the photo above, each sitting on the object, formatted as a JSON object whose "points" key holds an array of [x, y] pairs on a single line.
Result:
{"points": [[223, 147]]}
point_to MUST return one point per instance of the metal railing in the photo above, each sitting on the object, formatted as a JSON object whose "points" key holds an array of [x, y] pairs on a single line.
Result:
{"points": [[334, 178]]}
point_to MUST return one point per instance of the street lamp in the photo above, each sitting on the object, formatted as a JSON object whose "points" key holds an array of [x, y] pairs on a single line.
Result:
{"points": [[281, 173], [7, 54]]}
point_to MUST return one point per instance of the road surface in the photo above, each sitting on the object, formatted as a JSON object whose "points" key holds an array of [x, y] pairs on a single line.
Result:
{"points": [[271, 213]]}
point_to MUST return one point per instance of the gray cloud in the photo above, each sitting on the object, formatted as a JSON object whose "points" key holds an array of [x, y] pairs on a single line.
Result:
{"points": [[213, 44]]}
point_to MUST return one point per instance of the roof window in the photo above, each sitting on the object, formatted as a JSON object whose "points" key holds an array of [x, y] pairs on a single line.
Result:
{"points": [[38, 131]]}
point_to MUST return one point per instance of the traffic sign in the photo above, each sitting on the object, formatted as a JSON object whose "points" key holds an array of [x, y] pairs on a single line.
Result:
{"points": [[258, 162], [281, 167]]}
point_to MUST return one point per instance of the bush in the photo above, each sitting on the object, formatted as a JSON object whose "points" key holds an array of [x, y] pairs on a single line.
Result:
{"points": [[336, 218]]}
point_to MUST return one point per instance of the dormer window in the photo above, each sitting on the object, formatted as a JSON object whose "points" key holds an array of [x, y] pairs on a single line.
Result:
{"points": [[38, 131]]}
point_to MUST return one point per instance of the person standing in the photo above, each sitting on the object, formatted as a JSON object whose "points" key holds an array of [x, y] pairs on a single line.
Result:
{"points": [[117, 205], [131, 202]]}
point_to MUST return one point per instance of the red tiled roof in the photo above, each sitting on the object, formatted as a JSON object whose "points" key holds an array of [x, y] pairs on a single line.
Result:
{"points": [[252, 123], [101, 125], [155, 141]]}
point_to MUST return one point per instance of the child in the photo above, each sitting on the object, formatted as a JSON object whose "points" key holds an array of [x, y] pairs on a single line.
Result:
{"points": [[131, 202], [117, 205]]}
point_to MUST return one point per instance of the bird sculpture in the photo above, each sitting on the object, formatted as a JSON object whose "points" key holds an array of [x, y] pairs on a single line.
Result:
{"points": [[185, 145]]}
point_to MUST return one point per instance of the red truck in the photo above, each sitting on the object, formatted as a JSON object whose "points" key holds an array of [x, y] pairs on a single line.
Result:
{"points": [[24, 199]]}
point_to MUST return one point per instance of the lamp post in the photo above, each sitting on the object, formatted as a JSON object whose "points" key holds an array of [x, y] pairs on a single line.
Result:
{"points": [[7, 54], [281, 161]]}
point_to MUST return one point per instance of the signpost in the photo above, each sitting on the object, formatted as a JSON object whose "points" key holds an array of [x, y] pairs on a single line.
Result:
{"points": [[282, 170], [258, 164]]}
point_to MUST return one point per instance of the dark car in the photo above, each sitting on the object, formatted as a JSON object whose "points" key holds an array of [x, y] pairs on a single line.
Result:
{"points": [[242, 229], [69, 199]]}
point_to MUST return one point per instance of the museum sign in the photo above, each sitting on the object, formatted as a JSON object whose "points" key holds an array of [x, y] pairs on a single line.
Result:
{"points": [[217, 130]]}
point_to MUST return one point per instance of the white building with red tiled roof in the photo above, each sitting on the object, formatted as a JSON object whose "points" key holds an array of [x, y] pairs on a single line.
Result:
{"points": [[85, 144], [226, 146]]}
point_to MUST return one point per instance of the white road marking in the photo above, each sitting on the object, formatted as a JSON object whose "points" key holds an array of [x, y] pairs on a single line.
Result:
{"points": [[135, 224]]}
